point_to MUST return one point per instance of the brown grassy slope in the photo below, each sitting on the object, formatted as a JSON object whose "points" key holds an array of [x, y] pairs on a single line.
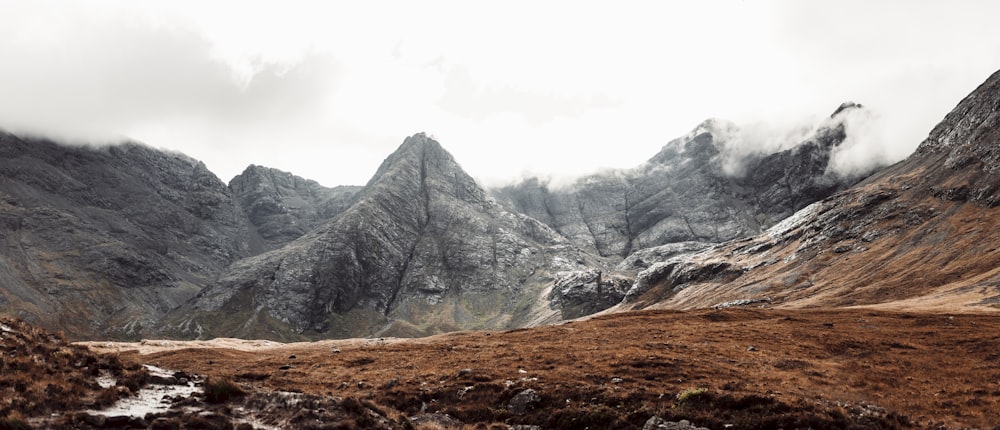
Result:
{"points": [[892, 242], [41, 373], [919, 235], [834, 367]]}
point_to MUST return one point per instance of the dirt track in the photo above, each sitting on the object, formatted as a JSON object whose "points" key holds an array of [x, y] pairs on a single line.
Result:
{"points": [[752, 368]]}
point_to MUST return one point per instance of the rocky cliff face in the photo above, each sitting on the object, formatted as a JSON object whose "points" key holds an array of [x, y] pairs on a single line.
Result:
{"points": [[693, 190], [422, 249], [282, 207], [918, 235], [106, 240], [125, 241]]}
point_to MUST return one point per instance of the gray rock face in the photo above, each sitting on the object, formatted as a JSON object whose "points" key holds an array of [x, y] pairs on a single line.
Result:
{"points": [[583, 292], [693, 190], [920, 231], [524, 402], [124, 241], [657, 423], [422, 249], [283, 207], [103, 241]]}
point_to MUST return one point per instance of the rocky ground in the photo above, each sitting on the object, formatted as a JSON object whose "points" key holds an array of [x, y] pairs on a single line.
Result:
{"points": [[728, 368]]}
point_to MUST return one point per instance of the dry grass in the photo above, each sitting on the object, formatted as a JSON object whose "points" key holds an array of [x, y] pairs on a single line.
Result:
{"points": [[41, 373], [819, 369]]}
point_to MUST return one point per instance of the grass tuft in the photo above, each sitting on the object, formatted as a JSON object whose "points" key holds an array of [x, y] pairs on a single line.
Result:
{"points": [[221, 390]]}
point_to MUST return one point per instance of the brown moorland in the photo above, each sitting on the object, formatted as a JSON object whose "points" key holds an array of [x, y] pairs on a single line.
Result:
{"points": [[732, 368], [42, 373]]}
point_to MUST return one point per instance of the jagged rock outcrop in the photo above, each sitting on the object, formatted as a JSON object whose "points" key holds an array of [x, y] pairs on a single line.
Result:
{"points": [[920, 234], [422, 249], [104, 240], [696, 189], [283, 207], [583, 292]]}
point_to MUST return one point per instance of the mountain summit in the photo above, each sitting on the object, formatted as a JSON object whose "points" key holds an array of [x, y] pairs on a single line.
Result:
{"points": [[421, 250], [920, 234], [702, 187]]}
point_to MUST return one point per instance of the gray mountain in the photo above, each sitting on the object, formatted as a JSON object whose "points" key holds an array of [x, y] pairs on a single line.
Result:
{"points": [[126, 241], [698, 191], [422, 249], [918, 235], [105, 240], [282, 207], [693, 190]]}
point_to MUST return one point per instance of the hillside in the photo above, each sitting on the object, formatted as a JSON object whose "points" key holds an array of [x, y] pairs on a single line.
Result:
{"points": [[105, 240], [732, 368], [920, 234], [715, 184], [420, 250]]}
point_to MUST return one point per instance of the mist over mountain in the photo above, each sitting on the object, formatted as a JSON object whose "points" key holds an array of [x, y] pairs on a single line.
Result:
{"points": [[706, 186], [106, 239], [420, 249], [918, 235]]}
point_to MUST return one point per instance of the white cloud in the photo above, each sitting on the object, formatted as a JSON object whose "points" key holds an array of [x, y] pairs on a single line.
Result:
{"points": [[326, 90]]}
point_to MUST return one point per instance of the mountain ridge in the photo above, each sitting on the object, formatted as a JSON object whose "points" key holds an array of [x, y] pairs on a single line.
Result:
{"points": [[421, 231], [916, 235], [420, 249]]}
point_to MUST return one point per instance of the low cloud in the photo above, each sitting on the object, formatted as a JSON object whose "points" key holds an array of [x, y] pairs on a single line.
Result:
{"points": [[743, 143], [466, 98], [112, 73]]}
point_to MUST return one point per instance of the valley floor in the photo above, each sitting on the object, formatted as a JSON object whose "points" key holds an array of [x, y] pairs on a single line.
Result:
{"points": [[733, 368]]}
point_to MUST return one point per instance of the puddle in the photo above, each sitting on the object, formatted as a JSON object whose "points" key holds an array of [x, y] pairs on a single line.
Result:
{"points": [[152, 399]]}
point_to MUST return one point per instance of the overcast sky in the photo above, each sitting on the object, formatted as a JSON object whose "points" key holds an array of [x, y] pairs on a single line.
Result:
{"points": [[327, 90]]}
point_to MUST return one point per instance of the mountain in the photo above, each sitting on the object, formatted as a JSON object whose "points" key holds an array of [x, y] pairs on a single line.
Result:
{"points": [[126, 241], [107, 239], [282, 207], [698, 188], [701, 189], [920, 234], [422, 249]]}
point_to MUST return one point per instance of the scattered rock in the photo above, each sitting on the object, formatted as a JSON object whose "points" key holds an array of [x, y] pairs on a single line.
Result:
{"points": [[165, 424], [524, 401], [741, 302], [442, 421], [285, 367], [657, 423], [751, 348], [163, 380]]}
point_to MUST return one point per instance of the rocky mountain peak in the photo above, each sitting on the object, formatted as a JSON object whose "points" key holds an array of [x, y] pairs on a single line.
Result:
{"points": [[99, 238], [422, 160], [919, 235], [283, 207], [420, 249], [970, 132], [701, 144], [846, 107]]}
